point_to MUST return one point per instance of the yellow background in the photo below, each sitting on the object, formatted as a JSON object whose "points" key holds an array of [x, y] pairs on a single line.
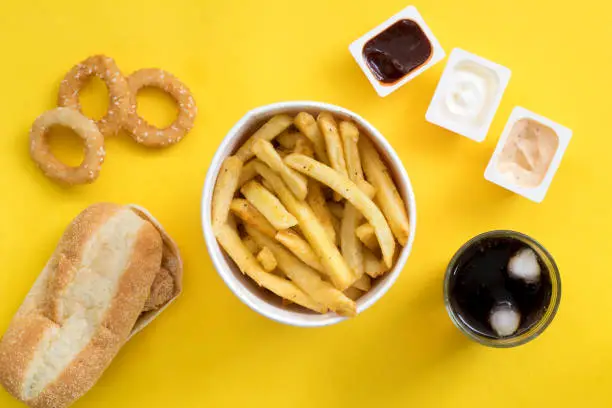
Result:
{"points": [[208, 349]]}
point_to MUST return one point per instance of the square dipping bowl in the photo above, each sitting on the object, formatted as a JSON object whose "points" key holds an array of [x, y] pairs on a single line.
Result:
{"points": [[259, 299], [411, 17], [528, 154], [468, 95]]}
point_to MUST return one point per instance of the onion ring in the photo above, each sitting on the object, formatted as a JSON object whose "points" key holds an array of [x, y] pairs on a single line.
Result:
{"points": [[104, 68], [147, 134], [40, 151]]}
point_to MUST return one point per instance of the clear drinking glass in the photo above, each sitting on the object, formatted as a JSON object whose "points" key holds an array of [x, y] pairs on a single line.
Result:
{"points": [[544, 320]]}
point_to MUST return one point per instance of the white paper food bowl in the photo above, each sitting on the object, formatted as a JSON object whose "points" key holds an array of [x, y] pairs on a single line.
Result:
{"points": [[244, 288]]}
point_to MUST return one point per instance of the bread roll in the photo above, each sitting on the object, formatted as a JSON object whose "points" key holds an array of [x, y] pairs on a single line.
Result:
{"points": [[82, 308]]}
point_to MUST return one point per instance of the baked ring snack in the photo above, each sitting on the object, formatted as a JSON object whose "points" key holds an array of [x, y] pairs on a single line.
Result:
{"points": [[83, 307], [147, 134], [53, 168], [104, 68]]}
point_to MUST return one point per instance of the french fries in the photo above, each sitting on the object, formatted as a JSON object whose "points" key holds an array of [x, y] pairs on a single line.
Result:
{"points": [[287, 139], [316, 201], [294, 180], [268, 131], [251, 245], [350, 136], [335, 152], [283, 152], [336, 209], [300, 248], [247, 174], [232, 244], [306, 278], [268, 205], [367, 189], [349, 190], [304, 146], [353, 293], [387, 196], [350, 246], [266, 259], [364, 283], [337, 228], [373, 266], [307, 124], [231, 221], [284, 190], [250, 216], [329, 255], [366, 235], [227, 183], [266, 185]]}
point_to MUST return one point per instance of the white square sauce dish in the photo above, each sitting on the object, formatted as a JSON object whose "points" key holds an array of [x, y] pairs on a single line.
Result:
{"points": [[468, 95], [528, 154], [397, 51]]}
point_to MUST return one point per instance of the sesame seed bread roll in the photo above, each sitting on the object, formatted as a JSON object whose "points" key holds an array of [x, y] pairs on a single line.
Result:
{"points": [[82, 308]]}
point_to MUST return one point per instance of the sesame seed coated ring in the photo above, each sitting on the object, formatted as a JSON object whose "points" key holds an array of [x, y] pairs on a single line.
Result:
{"points": [[104, 68], [147, 134], [87, 130]]}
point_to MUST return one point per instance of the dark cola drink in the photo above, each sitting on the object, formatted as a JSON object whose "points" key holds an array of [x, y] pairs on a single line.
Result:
{"points": [[499, 285]]}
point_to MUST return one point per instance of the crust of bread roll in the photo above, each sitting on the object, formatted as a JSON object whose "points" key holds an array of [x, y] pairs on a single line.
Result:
{"points": [[83, 307]]}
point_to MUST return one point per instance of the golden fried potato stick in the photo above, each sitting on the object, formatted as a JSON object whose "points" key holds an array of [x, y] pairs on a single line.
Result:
{"points": [[268, 205], [353, 293], [251, 245], [231, 221], [266, 184], [364, 283], [300, 248], [329, 255], [316, 201], [373, 266], [350, 136], [307, 124], [268, 131], [349, 190], [287, 139], [225, 188], [304, 146], [232, 244], [336, 209], [251, 216], [366, 234], [294, 180], [350, 246], [367, 188], [248, 173], [306, 278], [350, 139], [337, 229], [267, 259], [335, 151], [387, 196]]}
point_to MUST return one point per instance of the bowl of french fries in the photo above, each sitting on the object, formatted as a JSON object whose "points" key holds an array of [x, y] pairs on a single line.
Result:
{"points": [[308, 213]]}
